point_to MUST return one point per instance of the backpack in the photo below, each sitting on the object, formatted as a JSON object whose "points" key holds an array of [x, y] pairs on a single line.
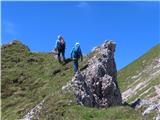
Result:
{"points": [[61, 44], [77, 52]]}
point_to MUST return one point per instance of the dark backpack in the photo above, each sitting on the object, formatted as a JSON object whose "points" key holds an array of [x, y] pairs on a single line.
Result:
{"points": [[61, 44], [77, 53]]}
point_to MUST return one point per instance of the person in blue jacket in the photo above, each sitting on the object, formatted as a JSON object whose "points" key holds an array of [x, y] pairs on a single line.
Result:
{"points": [[76, 54], [60, 48]]}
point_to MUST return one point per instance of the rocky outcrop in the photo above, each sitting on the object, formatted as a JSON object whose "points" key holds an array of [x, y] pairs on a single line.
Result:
{"points": [[34, 113], [96, 85], [149, 106]]}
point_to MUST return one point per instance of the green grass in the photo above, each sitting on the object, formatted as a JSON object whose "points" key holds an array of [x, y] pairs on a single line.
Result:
{"points": [[135, 67], [151, 83], [62, 106], [29, 77]]}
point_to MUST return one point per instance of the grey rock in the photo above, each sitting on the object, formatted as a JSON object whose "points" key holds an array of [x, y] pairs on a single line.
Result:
{"points": [[158, 117], [96, 86], [149, 106]]}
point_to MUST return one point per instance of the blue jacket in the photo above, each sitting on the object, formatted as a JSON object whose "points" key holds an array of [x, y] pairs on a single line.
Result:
{"points": [[76, 53]]}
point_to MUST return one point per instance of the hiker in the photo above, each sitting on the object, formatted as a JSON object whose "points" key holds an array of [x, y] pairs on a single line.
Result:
{"points": [[60, 48], [76, 54]]}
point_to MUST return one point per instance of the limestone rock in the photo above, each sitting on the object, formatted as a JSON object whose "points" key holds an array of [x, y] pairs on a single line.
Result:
{"points": [[96, 86]]}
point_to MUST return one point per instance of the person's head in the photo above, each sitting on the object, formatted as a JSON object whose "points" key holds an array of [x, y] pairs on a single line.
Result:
{"points": [[59, 37], [77, 44]]}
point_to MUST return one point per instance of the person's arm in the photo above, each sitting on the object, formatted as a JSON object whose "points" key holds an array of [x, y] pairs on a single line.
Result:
{"points": [[64, 45], [72, 54], [81, 55], [56, 45]]}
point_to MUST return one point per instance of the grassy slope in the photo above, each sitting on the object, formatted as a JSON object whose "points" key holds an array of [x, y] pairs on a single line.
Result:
{"points": [[27, 78], [135, 67], [63, 107]]}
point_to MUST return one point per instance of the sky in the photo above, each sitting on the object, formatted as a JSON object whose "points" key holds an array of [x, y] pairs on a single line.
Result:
{"points": [[134, 26]]}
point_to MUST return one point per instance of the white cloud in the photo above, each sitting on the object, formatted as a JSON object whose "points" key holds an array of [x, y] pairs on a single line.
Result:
{"points": [[83, 4], [85, 8], [9, 28]]}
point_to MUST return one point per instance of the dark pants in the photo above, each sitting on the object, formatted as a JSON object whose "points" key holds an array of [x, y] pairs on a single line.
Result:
{"points": [[59, 55], [75, 65]]}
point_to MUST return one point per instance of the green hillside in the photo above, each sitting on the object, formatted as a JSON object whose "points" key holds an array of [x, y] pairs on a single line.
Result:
{"points": [[29, 77], [143, 73]]}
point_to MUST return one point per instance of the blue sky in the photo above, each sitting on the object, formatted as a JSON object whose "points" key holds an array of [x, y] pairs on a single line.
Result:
{"points": [[134, 26]]}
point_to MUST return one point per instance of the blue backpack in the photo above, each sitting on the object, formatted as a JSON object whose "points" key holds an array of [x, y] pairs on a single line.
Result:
{"points": [[76, 52]]}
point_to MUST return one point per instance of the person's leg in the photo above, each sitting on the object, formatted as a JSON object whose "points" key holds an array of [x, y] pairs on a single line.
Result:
{"points": [[59, 58], [63, 56], [75, 65]]}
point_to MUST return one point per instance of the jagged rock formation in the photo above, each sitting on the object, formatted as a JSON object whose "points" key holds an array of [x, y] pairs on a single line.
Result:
{"points": [[96, 86]]}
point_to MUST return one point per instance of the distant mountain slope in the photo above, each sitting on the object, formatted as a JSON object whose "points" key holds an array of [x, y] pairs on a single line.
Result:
{"points": [[141, 79]]}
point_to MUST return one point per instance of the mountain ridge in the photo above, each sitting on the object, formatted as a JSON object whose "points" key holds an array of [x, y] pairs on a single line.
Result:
{"points": [[29, 77]]}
